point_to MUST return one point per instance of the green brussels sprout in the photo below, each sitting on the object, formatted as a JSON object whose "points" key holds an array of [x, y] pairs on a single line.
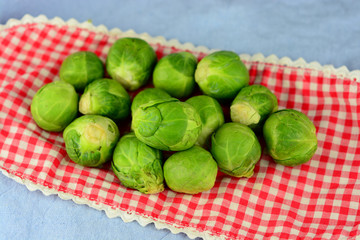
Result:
{"points": [[54, 106], [290, 137], [147, 95], [91, 139], [131, 62], [81, 68], [211, 115], [253, 105], [167, 124], [221, 75], [137, 165], [106, 97], [174, 73], [190, 171], [236, 149]]}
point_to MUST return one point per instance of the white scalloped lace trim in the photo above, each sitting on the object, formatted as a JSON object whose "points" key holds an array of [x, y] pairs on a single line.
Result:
{"points": [[130, 216], [342, 71], [112, 213]]}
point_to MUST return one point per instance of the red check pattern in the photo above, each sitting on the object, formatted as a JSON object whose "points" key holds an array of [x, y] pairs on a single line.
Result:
{"points": [[317, 200]]}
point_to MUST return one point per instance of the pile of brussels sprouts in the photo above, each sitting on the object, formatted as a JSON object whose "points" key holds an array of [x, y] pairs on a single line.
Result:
{"points": [[169, 117]]}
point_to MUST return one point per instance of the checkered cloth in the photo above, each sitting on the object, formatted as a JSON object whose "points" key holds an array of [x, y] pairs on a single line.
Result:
{"points": [[319, 199]]}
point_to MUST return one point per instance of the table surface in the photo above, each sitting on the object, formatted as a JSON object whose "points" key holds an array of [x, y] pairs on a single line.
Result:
{"points": [[324, 31]]}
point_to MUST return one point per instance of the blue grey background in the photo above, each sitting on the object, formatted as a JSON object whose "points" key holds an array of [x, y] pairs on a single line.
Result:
{"points": [[323, 31]]}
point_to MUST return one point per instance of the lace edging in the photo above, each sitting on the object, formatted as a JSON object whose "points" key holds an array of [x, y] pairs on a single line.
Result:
{"points": [[342, 71]]}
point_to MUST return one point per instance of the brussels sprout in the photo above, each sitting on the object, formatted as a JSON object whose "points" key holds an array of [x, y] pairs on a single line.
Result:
{"points": [[190, 171], [81, 68], [137, 165], [290, 137], [105, 97], [221, 75], [131, 62], [91, 139], [167, 124], [236, 149], [253, 105], [54, 106], [147, 95], [174, 73], [211, 115]]}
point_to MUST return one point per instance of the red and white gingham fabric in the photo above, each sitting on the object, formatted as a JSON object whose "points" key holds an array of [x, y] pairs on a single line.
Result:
{"points": [[319, 199]]}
